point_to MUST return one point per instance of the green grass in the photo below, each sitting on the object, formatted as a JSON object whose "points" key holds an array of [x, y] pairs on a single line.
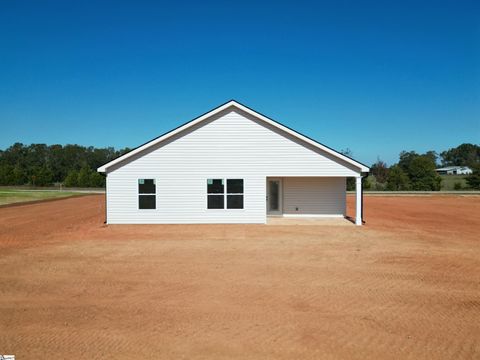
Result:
{"points": [[448, 181], [14, 196]]}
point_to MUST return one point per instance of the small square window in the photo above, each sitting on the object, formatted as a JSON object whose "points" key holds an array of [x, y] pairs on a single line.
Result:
{"points": [[216, 201], [235, 201], [146, 186], [215, 186], [147, 201], [234, 186]]}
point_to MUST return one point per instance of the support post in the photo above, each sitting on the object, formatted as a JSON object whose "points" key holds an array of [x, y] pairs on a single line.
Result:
{"points": [[358, 200], [106, 192]]}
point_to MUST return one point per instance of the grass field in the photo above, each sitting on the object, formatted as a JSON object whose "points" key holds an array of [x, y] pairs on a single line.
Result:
{"points": [[10, 196], [404, 286], [448, 181]]}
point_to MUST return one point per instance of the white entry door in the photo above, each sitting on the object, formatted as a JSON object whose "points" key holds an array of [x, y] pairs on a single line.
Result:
{"points": [[274, 196]]}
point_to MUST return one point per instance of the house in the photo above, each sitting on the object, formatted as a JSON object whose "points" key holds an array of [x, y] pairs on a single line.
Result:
{"points": [[454, 170], [229, 165]]}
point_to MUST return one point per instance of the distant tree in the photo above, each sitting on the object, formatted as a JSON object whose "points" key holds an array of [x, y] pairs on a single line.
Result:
{"points": [[457, 186], [380, 186], [422, 174], [87, 177], [350, 180], [351, 185], [83, 179], [19, 175], [42, 164], [397, 179], [462, 155], [41, 176], [420, 170], [57, 163], [72, 179], [380, 171], [432, 155], [6, 174], [96, 179], [473, 180], [366, 183], [406, 158]]}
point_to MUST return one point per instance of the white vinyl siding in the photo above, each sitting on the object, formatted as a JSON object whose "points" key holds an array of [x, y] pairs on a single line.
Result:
{"points": [[232, 144], [314, 196]]}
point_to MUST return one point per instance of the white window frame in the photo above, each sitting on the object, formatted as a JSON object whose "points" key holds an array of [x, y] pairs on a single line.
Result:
{"points": [[225, 193], [147, 194]]}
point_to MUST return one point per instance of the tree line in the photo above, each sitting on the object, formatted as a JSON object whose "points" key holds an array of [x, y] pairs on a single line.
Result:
{"points": [[417, 171], [43, 165], [75, 166]]}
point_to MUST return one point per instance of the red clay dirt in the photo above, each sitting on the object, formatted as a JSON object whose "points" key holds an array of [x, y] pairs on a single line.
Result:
{"points": [[405, 286]]}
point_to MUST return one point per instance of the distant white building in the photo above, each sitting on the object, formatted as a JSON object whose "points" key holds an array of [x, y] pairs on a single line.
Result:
{"points": [[454, 170]]}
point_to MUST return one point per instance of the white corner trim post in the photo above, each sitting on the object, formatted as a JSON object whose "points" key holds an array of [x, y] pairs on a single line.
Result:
{"points": [[358, 200]]}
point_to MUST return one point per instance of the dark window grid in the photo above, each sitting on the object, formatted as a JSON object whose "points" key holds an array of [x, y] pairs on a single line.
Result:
{"points": [[216, 201], [235, 186], [216, 187], [143, 196], [225, 201], [148, 187], [225, 196], [235, 202], [147, 205]]}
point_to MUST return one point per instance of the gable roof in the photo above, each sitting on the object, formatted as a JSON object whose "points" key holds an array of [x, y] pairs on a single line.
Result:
{"points": [[233, 103]]}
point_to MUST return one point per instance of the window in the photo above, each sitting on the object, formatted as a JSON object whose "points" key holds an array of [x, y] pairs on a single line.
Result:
{"points": [[147, 198], [218, 197], [215, 194], [234, 193]]}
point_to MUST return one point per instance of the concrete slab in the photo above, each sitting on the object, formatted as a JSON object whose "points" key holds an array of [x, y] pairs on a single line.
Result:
{"points": [[279, 220]]}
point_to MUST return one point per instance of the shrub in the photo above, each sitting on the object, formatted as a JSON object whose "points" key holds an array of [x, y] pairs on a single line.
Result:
{"points": [[397, 179], [366, 183], [422, 174], [473, 180], [41, 176], [96, 179], [84, 177], [380, 171], [351, 183], [72, 179]]}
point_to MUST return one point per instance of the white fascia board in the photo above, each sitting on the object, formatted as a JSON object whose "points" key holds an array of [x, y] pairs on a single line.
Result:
{"points": [[361, 167]]}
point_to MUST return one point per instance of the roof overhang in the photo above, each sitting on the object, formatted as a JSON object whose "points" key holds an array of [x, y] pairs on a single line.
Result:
{"points": [[232, 103]]}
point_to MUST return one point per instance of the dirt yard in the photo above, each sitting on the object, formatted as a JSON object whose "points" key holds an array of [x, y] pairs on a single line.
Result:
{"points": [[405, 286]]}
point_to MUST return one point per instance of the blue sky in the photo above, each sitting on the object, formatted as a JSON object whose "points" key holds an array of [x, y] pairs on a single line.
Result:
{"points": [[377, 77]]}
